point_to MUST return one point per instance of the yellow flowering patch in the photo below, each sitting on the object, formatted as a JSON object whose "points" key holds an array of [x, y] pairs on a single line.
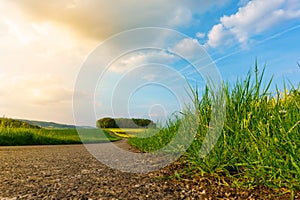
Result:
{"points": [[125, 132]]}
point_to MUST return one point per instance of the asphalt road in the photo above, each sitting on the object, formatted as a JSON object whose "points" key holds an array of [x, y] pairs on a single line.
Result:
{"points": [[71, 172]]}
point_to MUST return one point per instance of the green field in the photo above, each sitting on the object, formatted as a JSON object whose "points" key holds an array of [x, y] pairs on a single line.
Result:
{"points": [[24, 136], [259, 143]]}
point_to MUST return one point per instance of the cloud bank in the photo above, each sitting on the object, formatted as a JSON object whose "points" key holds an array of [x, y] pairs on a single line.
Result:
{"points": [[252, 19], [101, 19]]}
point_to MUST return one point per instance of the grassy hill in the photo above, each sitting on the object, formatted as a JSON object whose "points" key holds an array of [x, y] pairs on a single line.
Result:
{"points": [[13, 123], [52, 125]]}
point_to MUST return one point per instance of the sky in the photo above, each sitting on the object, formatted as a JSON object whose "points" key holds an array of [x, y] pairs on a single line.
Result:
{"points": [[55, 53]]}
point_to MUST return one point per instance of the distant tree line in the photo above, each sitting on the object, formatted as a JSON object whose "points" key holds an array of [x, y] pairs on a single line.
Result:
{"points": [[108, 122], [12, 123]]}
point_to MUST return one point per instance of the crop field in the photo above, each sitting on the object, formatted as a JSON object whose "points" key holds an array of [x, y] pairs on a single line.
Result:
{"points": [[24, 136]]}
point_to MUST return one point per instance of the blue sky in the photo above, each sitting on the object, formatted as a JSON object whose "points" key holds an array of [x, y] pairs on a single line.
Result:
{"points": [[46, 44]]}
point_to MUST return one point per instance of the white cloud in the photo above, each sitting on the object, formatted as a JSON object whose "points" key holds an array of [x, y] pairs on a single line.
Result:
{"points": [[217, 36], [39, 48], [200, 35], [136, 59], [187, 47], [252, 19], [183, 17], [35, 90], [150, 77], [128, 63], [36, 97]]}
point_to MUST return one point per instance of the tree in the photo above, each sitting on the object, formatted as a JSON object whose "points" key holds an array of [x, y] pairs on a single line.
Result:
{"points": [[106, 123], [124, 123]]}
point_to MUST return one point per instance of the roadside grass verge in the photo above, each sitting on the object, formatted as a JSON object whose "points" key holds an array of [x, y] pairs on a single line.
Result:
{"points": [[154, 139], [23, 136], [259, 143]]}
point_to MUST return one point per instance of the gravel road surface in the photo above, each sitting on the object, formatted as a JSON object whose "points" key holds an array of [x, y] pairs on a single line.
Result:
{"points": [[70, 172]]}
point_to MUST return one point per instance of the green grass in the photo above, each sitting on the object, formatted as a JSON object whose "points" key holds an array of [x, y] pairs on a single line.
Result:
{"points": [[259, 143], [154, 139], [23, 136]]}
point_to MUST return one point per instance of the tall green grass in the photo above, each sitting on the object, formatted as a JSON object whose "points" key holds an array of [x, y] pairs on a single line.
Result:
{"points": [[23, 136], [259, 142]]}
